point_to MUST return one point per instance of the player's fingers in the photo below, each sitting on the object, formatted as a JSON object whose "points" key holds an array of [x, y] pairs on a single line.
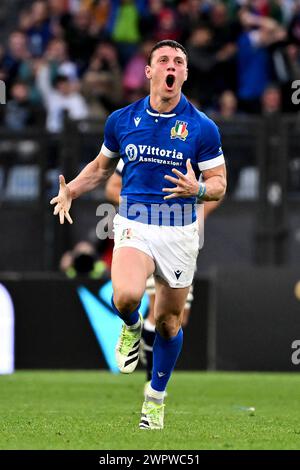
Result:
{"points": [[189, 165], [172, 180], [178, 173], [62, 181], [61, 216], [68, 217], [57, 209], [54, 200], [171, 190], [170, 196]]}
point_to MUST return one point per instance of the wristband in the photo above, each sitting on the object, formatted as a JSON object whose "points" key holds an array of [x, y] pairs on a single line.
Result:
{"points": [[202, 191]]}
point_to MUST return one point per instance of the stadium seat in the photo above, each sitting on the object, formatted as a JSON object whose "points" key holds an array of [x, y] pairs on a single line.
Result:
{"points": [[22, 183]]}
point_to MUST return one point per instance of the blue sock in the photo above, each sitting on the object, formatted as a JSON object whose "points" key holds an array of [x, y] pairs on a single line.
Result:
{"points": [[165, 355], [130, 318]]}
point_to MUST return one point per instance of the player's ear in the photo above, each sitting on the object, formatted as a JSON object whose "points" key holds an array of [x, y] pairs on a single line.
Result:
{"points": [[148, 71], [186, 74]]}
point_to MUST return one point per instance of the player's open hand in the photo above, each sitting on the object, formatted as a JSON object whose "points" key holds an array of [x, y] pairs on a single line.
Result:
{"points": [[63, 201], [186, 185]]}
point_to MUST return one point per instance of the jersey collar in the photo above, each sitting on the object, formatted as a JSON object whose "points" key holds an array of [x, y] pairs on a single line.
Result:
{"points": [[177, 110]]}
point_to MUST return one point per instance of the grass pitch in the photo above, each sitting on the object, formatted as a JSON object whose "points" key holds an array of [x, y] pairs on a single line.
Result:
{"points": [[98, 410]]}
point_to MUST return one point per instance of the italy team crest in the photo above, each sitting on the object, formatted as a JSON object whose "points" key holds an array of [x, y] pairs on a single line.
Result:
{"points": [[179, 131]]}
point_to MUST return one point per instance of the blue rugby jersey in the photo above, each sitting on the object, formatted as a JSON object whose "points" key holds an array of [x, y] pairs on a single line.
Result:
{"points": [[150, 145]]}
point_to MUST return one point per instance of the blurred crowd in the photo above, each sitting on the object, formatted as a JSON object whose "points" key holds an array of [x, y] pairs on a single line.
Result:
{"points": [[87, 57]]}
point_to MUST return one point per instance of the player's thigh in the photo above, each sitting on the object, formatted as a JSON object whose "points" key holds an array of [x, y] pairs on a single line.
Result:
{"points": [[169, 300], [130, 269]]}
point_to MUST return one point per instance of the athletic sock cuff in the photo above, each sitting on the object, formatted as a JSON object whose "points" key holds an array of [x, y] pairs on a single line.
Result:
{"points": [[169, 340]]}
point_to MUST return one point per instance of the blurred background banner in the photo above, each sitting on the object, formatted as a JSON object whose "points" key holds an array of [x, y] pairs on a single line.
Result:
{"points": [[241, 319], [7, 332], [254, 319]]}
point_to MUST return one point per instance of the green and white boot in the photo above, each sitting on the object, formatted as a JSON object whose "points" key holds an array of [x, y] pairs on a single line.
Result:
{"points": [[152, 415], [127, 348]]}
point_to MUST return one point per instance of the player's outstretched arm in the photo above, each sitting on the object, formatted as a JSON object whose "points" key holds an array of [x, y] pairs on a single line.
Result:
{"points": [[100, 169]]}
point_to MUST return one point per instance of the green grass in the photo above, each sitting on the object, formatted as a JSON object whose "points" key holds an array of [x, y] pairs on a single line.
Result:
{"points": [[98, 410]]}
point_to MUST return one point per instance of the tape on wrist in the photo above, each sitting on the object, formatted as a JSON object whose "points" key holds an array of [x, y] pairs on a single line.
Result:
{"points": [[202, 191]]}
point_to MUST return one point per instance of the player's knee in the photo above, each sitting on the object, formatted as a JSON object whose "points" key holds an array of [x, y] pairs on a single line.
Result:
{"points": [[168, 325], [126, 301]]}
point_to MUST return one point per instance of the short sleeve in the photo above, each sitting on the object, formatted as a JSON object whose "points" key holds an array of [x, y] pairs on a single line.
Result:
{"points": [[110, 146], [210, 152]]}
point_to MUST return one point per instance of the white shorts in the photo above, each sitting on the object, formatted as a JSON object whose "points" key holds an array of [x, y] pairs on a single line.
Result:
{"points": [[173, 249]]}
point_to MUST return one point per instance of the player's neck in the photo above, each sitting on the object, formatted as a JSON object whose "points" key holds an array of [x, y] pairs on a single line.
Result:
{"points": [[163, 105]]}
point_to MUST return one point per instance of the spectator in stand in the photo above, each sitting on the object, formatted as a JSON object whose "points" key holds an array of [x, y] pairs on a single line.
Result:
{"points": [[167, 25], [267, 8], [190, 16], [293, 60], [16, 53], [254, 57], [59, 16], [19, 112], [238, 157], [271, 100], [39, 28], [203, 61], [59, 64], [124, 26], [58, 58], [25, 21], [100, 10], [147, 23], [82, 38], [60, 99], [225, 34], [102, 82], [96, 90], [294, 26], [228, 105], [134, 75]]}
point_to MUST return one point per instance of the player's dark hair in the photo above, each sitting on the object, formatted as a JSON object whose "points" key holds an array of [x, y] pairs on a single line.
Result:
{"points": [[169, 43]]}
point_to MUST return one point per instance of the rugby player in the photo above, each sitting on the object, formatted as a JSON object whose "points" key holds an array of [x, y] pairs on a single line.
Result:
{"points": [[112, 191], [165, 143]]}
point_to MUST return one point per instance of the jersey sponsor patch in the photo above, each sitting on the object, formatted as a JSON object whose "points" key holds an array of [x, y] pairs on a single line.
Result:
{"points": [[179, 131], [131, 152]]}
